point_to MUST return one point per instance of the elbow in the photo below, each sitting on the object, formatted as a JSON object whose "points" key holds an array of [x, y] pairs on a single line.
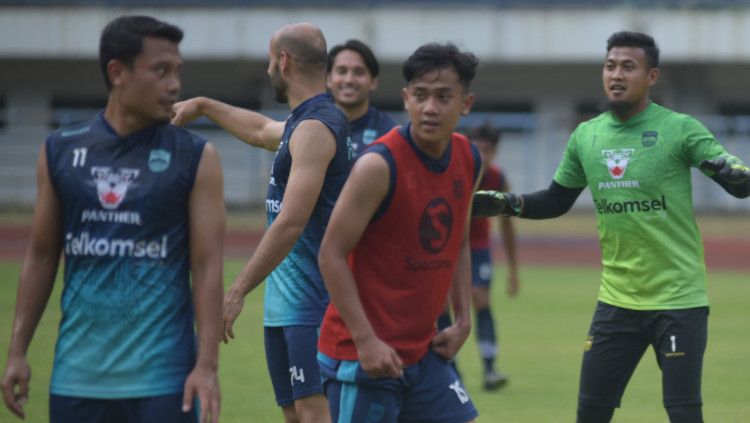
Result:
{"points": [[326, 263], [563, 208], [292, 225]]}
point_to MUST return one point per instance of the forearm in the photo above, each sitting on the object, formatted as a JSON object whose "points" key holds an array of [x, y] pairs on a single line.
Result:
{"points": [[244, 124], [344, 294], [277, 242], [34, 289], [549, 203], [460, 291], [508, 235], [208, 294], [740, 190]]}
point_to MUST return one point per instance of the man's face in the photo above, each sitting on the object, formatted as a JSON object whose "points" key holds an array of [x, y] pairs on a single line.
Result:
{"points": [[152, 85], [627, 77], [435, 102], [350, 81], [274, 73]]}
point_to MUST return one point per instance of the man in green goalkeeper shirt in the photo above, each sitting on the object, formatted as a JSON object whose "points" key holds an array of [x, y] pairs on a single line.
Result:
{"points": [[636, 159]]}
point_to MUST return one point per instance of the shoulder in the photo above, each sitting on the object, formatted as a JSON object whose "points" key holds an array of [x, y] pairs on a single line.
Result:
{"points": [[677, 117], [463, 144], [384, 120], [389, 138], [328, 115], [593, 123], [683, 123], [182, 135], [74, 132], [325, 109], [375, 168]]}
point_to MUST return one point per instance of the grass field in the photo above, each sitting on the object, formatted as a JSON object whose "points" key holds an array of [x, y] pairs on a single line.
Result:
{"points": [[542, 333]]}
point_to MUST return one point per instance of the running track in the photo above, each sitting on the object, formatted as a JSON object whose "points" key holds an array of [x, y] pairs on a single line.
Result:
{"points": [[721, 254]]}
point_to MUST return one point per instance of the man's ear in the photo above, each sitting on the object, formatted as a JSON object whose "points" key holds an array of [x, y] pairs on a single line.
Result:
{"points": [[373, 84], [653, 76], [116, 72], [285, 61], [468, 103]]}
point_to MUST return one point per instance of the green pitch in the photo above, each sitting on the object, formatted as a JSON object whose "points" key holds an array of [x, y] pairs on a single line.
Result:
{"points": [[542, 334]]}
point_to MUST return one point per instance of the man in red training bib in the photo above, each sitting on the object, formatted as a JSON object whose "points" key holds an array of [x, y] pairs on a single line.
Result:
{"points": [[395, 248]]}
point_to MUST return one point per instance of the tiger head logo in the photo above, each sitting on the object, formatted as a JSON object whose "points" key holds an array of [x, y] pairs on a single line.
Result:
{"points": [[617, 161]]}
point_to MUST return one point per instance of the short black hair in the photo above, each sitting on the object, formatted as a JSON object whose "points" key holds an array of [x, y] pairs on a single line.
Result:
{"points": [[486, 132], [636, 39], [434, 56], [360, 48], [122, 39]]}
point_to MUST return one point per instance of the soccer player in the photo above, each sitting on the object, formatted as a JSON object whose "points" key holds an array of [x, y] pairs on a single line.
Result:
{"points": [[486, 139], [352, 76], [636, 160], [309, 170], [136, 206], [396, 245]]}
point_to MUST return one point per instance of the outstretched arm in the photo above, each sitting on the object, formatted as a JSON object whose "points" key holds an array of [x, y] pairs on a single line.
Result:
{"points": [[312, 147], [360, 198], [545, 204], [250, 127], [34, 287], [206, 211]]}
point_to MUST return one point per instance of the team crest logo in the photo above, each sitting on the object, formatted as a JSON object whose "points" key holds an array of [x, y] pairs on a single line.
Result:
{"points": [[158, 160], [111, 186], [368, 136], [435, 225], [617, 161], [649, 138]]}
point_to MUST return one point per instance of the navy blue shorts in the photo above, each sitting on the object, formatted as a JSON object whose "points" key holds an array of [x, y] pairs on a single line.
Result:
{"points": [[481, 267], [429, 392], [291, 357], [157, 409], [619, 337]]}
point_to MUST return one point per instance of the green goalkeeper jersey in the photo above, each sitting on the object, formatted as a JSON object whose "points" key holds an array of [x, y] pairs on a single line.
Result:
{"points": [[638, 172]]}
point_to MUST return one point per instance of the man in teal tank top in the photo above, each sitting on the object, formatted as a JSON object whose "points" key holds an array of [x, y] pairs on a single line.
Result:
{"points": [[636, 159], [135, 206]]}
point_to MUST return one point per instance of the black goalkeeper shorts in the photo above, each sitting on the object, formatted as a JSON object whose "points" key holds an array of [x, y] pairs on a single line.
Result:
{"points": [[618, 338]]}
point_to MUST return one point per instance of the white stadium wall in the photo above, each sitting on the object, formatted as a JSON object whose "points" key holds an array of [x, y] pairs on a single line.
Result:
{"points": [[539, 75]]}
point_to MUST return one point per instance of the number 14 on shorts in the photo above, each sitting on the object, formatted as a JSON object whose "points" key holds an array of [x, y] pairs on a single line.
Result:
{"points": [[297, 374]]}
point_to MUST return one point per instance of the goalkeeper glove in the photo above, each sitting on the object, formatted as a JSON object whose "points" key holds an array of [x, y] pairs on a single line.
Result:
{"points": [[732, 171], [494, 203]]}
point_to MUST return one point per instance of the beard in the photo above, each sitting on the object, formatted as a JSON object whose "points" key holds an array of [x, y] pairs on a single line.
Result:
{"points": [[279, 87], [621, 109]]}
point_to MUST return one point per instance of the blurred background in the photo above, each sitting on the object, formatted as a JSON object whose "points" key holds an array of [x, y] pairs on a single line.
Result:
{"points": [[540, 71]]}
